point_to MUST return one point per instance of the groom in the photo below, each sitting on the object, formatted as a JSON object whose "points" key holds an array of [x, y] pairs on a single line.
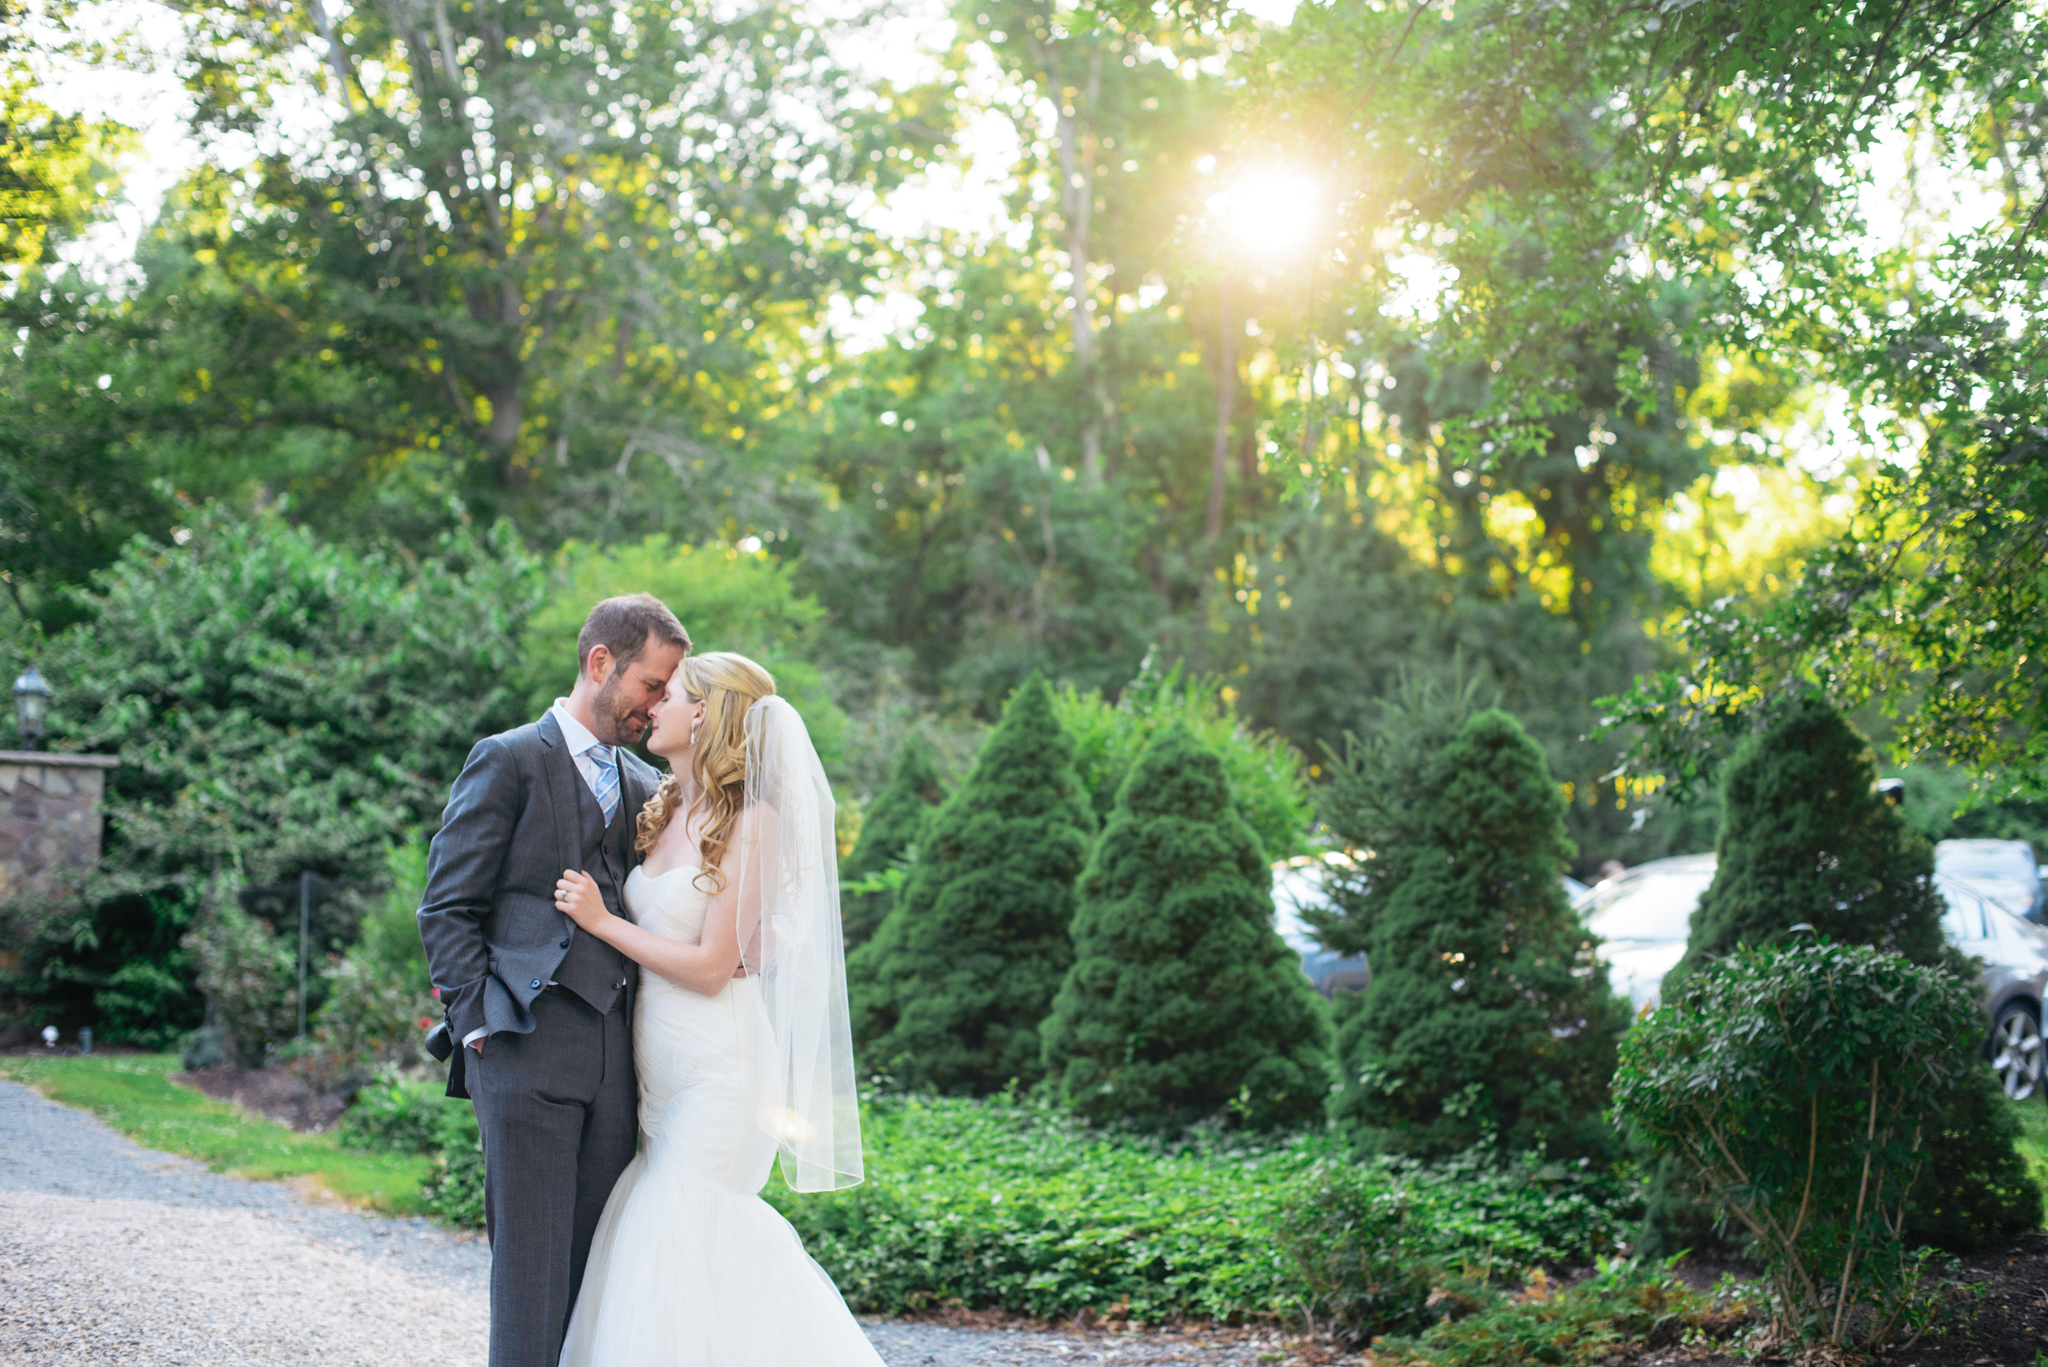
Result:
{"points": [[542, 1012]]}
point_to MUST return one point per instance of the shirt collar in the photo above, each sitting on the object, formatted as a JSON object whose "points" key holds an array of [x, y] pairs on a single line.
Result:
{"points": [[574, 732]]}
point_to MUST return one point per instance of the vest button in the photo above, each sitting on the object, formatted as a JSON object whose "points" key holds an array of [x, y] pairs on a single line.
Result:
{"points": [[535, 984]]}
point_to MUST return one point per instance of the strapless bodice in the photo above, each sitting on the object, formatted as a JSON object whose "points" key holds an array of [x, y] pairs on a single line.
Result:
{"points": [[669, 904]]}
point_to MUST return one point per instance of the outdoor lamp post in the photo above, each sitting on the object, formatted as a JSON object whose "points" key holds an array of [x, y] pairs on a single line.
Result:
{"points": [[31, 701]]}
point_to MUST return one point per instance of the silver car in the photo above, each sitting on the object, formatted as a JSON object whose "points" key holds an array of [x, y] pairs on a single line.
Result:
{"points": [[2003, 870], [1298, 883], [1643, 917]]}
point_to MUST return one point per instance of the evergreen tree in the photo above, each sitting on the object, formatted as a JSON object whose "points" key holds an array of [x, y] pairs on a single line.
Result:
{"points": [[888, 830], [1487, 1013], [1806, 838], [1183, 999], [949, 992]]}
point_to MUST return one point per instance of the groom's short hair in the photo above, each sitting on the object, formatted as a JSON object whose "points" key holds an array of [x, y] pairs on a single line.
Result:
{"points": [[622, 625]]}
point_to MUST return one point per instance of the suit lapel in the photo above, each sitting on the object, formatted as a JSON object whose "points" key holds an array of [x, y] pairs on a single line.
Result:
{"points": [[559, 771]]}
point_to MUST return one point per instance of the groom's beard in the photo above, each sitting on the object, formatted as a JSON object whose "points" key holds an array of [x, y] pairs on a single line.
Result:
{"points": [[616, 715]]}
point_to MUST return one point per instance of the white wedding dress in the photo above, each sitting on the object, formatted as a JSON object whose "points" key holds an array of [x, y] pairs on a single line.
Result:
{"points": [[690, 1267]]}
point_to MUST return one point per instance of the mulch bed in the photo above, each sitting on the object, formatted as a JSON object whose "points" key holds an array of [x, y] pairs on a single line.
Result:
{"points": [[2003, 1324], [274, 1093], [1998, 1317]]}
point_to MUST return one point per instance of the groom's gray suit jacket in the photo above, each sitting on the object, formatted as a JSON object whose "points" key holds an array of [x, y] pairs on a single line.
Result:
{"points": [[518, 816]]}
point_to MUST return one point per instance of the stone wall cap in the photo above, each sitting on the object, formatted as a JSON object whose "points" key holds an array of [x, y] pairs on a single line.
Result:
{"points": [[57, 759]]}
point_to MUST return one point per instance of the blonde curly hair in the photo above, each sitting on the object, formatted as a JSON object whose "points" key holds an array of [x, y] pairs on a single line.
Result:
{"points": [[727, 684]]}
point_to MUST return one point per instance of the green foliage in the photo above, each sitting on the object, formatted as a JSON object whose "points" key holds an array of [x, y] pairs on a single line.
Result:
{"points": [[1806, 838], [1625, 1307], [726, 600], [1977, 1190], [1348, 1231], [379, 995], [1487, 1013], [1266, 776], [249, 975], [589, 346], [1801, 1084], [454, 1191], [407, 1113], [889, 829], [950, 991], [1013, 1204], [278, 706], [400, 1113], [1183, 1003]]}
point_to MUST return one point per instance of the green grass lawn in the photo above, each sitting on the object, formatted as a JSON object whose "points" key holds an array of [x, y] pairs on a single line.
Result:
{"points": [[2034, 1137], [134, 1094]]}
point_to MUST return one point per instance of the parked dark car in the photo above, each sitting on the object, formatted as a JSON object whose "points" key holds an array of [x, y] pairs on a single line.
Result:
{"points": [[1643, 916]]}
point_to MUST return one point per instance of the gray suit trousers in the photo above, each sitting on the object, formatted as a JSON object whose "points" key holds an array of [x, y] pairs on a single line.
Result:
{"points": [[560, 1120]]}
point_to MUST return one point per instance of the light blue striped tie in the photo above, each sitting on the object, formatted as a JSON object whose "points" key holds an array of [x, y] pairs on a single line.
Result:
{"points": [[607, 782]]}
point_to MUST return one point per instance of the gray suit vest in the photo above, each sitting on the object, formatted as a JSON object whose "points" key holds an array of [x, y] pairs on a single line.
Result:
{"points": [[592, 969]]}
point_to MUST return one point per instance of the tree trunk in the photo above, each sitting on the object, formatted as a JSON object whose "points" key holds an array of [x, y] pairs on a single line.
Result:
{"points": [[1077, 198], [1226, 400]]}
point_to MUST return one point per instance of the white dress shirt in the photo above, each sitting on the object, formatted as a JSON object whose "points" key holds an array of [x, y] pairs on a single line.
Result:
{"points": [[591, 756]]}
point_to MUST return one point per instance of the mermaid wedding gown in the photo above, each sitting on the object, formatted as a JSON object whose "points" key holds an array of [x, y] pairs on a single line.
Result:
{"points": [[690, 1267]]}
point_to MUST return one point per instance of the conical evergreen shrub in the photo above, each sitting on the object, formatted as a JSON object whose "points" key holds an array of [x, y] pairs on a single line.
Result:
{"points": [[1806, 839], [888, 830], [1183, 1002], [949, 992], [1487, 1015]]}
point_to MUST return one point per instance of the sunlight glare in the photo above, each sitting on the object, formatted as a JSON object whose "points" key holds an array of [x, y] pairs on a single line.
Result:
{"points": [[1269, 213]]}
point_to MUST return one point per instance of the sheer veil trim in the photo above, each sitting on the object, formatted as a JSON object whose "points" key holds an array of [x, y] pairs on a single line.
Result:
{"points": [[790, 939]]}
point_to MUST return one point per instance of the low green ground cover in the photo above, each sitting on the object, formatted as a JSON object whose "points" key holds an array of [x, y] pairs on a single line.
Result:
{"points": [[1010, 1204], [134, 1094]]}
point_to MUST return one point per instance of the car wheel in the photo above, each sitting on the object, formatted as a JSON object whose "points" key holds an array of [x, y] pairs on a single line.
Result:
{"points": [[2016, 1050]]}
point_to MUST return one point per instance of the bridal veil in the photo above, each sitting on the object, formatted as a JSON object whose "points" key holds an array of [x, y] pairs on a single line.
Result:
{"points": [[789, 929]]}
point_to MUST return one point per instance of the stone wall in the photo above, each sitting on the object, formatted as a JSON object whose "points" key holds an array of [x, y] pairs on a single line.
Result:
{"points": [[49, 818]]}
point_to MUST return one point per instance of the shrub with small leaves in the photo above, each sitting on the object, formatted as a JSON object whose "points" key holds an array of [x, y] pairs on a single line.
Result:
{"points": [[248, 974], [1802, 1086]]}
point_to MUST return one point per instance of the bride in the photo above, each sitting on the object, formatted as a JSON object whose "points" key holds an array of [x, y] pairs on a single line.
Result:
{"points": [[741, 1042]]}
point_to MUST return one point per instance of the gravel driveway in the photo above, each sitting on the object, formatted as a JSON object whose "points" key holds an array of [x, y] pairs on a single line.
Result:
{"points": [[115, 1254]]}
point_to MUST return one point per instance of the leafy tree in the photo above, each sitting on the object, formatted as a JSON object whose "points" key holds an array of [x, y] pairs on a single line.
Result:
{"points": [[1487, 1015], [890, 828], [1183, 1001], [278, 706], [1806, 838], [950, 991], [1265, 775], [55, 169], [726, 598]]}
